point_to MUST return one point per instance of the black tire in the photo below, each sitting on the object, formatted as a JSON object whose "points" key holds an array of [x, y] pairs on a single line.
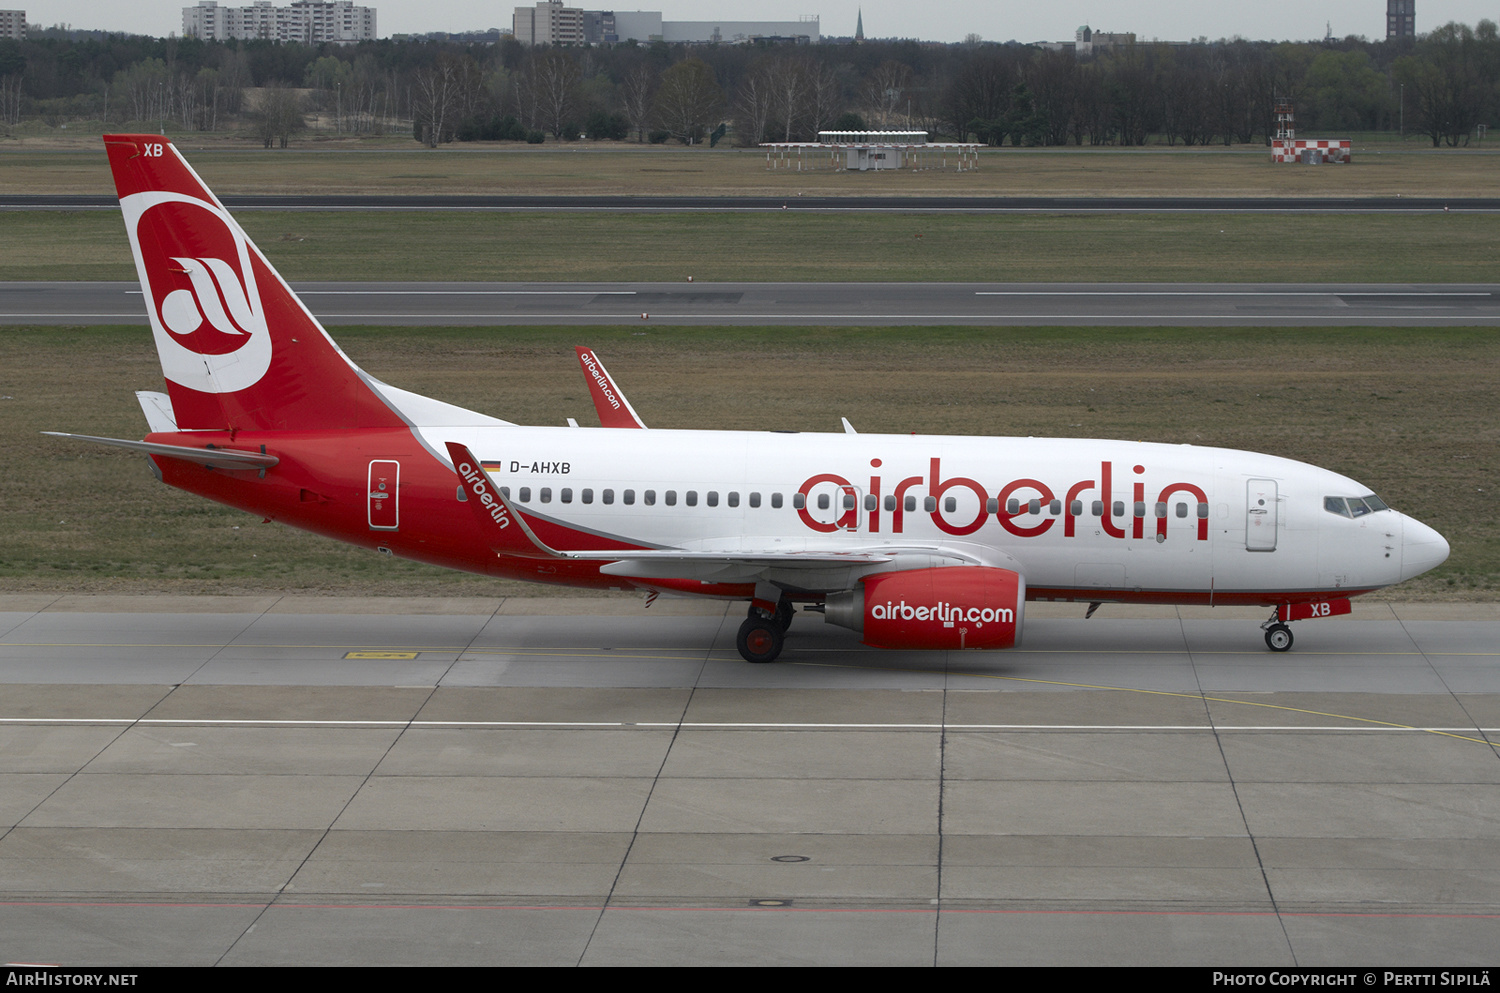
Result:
{"points": [[1279, 638], [759, 640]]}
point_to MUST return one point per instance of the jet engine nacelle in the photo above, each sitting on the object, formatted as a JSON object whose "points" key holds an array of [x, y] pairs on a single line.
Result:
{"points": [[944, 608]]}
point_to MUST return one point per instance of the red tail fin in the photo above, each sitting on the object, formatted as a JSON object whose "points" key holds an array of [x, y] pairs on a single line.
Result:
{"points": [[238, 349]]}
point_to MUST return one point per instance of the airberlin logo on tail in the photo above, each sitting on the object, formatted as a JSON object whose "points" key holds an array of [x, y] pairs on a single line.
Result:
{"points": [[197, 272], [217, 297], [481, 490]]}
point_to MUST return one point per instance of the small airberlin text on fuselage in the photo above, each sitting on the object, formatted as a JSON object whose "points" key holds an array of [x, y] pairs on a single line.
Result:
{"points": [[1024, 490], [481, 490]]}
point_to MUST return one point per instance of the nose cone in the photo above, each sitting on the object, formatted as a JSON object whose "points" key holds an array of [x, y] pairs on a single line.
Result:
{"points": [[1422, 548]]}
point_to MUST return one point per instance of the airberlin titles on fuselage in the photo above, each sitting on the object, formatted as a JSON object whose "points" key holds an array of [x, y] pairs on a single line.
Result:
{"points": [[1025, 490]]}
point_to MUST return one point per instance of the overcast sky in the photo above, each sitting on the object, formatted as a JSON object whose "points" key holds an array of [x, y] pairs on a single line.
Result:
{"points": [[935, 20]]}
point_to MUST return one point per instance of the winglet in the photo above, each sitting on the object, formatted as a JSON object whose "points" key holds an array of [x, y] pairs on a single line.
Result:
{"points": [[609, 400], [496, 519]]}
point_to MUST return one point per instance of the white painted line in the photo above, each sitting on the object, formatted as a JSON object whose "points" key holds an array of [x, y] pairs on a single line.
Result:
{"points": [[735, 726]]}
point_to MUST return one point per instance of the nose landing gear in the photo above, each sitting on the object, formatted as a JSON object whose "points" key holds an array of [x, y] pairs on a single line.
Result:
{"points": [[1278, 636]]}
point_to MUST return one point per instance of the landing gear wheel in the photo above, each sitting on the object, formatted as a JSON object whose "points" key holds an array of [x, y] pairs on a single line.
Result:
{"points": [[1279, 638], [760, 640]]}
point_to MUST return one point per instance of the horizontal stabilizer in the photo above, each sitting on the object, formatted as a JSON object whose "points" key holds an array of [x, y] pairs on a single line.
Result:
{"points": [[158, 410], [214, 458]]}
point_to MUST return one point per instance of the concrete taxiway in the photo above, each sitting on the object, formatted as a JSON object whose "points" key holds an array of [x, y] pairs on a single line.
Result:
{"points": [[283, 780], [993, 304]]}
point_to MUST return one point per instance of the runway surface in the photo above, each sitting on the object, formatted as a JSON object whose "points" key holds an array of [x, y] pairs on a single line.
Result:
{"points": [[985, 304], [894, 204], [562, 781]]}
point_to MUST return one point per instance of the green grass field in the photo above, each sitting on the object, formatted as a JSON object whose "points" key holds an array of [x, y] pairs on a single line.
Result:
{"points": [[1410, 412], [235, 166], [795, 246]]}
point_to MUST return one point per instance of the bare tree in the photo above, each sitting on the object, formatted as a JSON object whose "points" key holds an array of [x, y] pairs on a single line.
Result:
{"points": [[688, 100], [636, 92], [885, 94], [789, 82], [753, 106], [554, 77], [443, 93], [278, 114]]}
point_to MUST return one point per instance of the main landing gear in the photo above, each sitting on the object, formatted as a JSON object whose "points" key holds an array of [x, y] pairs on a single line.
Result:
{"points": [[1278, 635], [761, 637]]}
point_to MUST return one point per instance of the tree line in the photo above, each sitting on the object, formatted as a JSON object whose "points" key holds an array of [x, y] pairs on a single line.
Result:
{"points": [[1443, 85]]}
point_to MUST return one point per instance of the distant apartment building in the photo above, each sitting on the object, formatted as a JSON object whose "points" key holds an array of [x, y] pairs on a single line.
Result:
{"points": [[13, 24], [1400, 19], [308, 21], [551, 23]]}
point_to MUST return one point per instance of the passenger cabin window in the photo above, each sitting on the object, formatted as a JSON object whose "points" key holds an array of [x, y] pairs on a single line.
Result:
{"points": [[911, 503], [526, 494], [1182, 510], [546, 494], [671, 498], [950, 504], [505, 492], [692, 498], [872, 502], [734, 498], [1075, 509], [799, 501], [1054, 508], [629, 497], [1097, 509], [566, 495], [929, 503], [776, 502], [609, 496], [588, 496], [755, 499], [890, 502], [649, 498], [822, 501]]}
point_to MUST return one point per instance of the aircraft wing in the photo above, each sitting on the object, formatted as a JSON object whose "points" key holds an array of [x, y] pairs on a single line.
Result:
{"points": [[609, 400]]}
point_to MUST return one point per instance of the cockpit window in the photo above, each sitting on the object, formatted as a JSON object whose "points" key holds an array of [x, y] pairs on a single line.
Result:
{"points": [[1354, 506]]}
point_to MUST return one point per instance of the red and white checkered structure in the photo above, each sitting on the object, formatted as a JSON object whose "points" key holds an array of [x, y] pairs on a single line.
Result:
{"points": [[1330, 149]]}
